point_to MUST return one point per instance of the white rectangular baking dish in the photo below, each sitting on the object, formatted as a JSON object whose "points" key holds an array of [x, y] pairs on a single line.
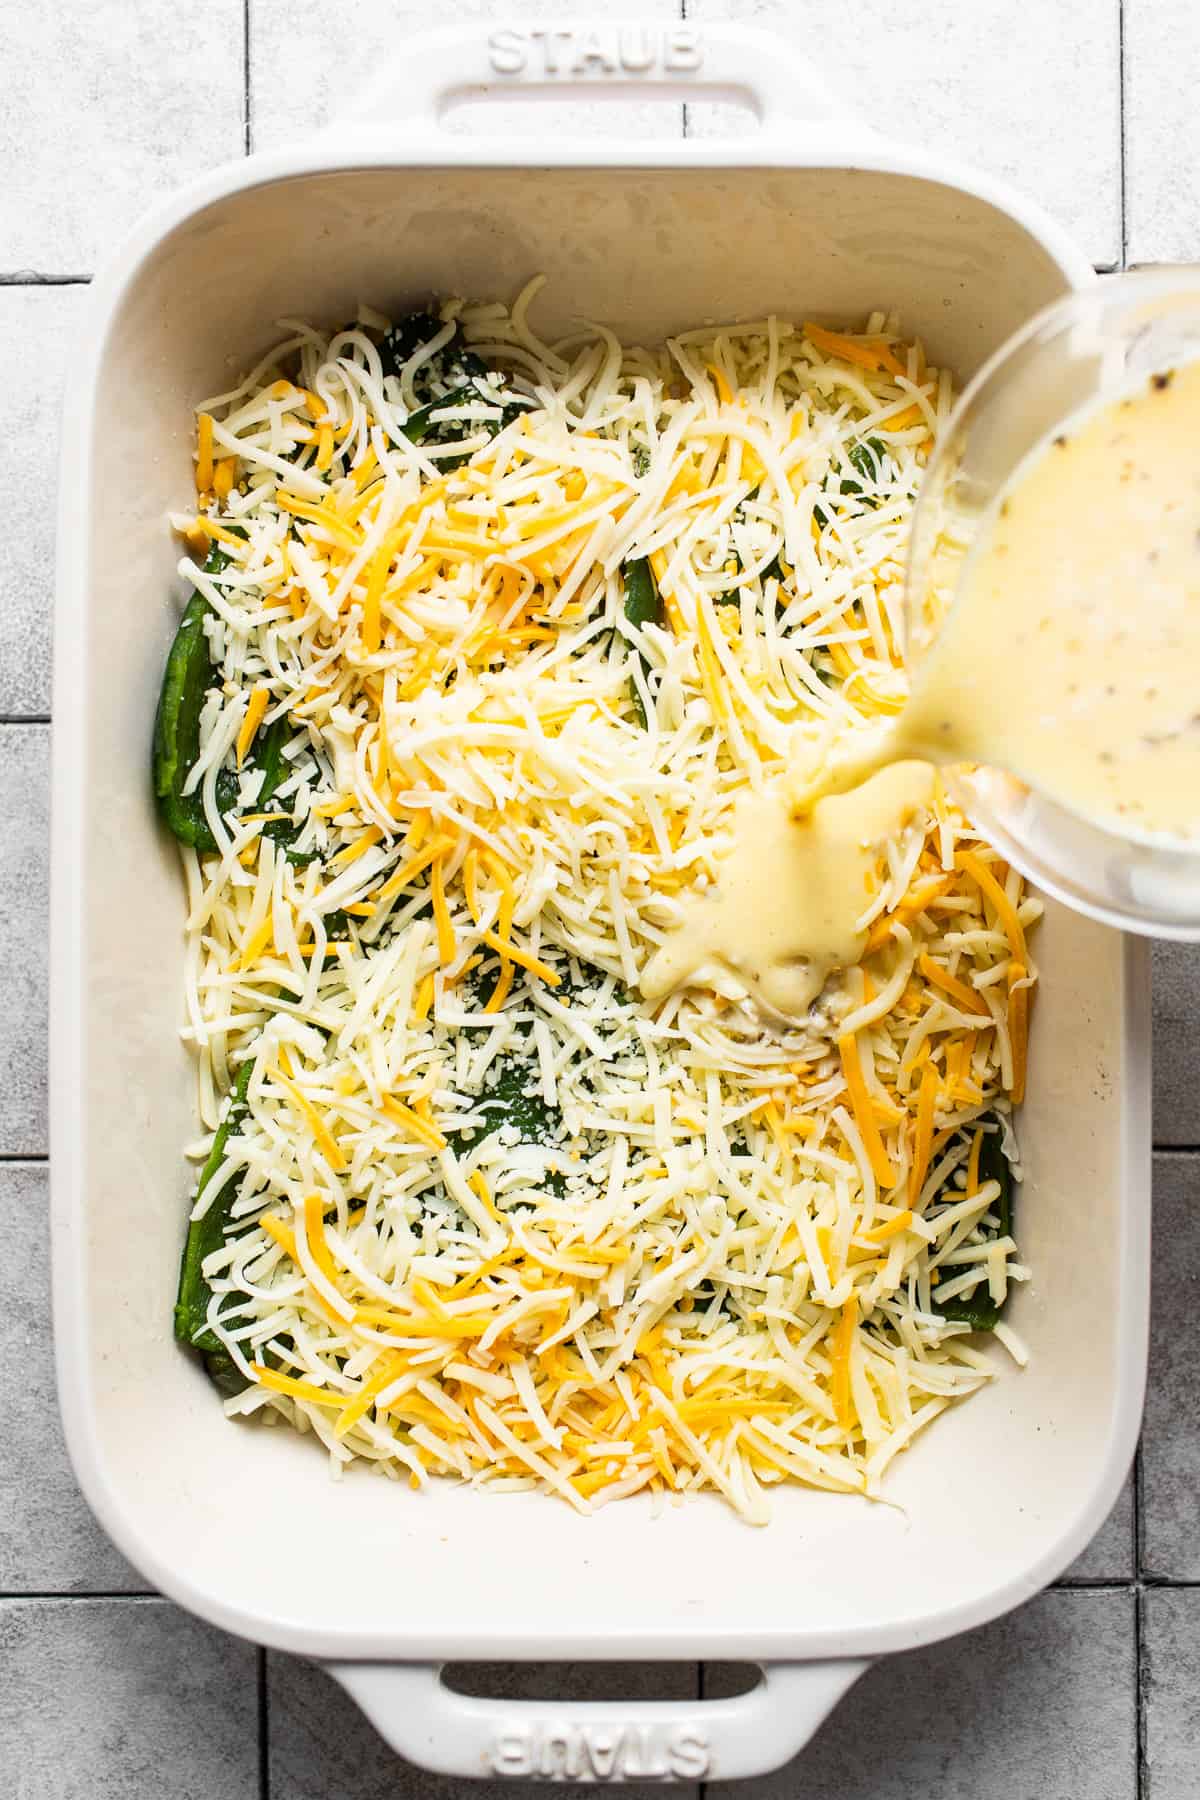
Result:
{"points": [[813, 215]]}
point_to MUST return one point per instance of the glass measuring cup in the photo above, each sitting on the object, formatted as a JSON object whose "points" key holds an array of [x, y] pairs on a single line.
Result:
{"points": [[1084, 351]]}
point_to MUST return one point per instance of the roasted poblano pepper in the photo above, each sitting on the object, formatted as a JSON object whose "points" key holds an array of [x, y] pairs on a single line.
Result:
{"points": [[515, 1096], [866, 458], [204, 1236], [515, 1099], [447, 369], [187, 678], [268, 756], [643, 606], [977, 1309], [732, 596], [453, 376]]}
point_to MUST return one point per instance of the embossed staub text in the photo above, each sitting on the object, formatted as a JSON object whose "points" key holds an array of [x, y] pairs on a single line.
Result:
{"points": [[616, 50], [557, 1751]]}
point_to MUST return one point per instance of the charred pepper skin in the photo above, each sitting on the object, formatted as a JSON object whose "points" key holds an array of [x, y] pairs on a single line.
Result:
{"points": [[204, 1236]]}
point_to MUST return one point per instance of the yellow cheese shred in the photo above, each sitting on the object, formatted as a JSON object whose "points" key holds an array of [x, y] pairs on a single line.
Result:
{"points": [[256, 707], [204, 453], [982, 876], [842, 1346], [319, 1129], [864, 1114]]}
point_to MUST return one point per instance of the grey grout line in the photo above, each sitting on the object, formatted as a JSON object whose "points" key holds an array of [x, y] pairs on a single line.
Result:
{"points": [[683, 110], [246, 108], [1099, 1586], [701, 1786], [1140, 1773], [264, 1729], [48, 278], [43, 1156], [1141, 1584], [1139, 1698], [13, 1159], [1091, 1584], [38, 278], [81, 1599], [1121, 165], [1150, 1584], [1139, 1660], [38, 1596], [24, 718]]}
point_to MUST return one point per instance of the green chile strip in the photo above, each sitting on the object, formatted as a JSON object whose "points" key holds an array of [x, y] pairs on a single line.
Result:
{"points": [[977, 1309], [643, 606], [206, 1235]]}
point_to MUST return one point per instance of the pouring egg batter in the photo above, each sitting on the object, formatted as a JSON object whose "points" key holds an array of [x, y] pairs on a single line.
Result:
{"points": [[782, 915], [1070, 658]]}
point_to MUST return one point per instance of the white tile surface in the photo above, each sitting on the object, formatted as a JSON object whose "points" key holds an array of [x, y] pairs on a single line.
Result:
{"points": [[1162, 130], [1111, 1554], [49, 1541], [1040, 1703], [1171, 1650], [308, 60], [36, 324], [1176, 1043], [1040, 106], [1171, 1435], [24, 865], [124, 1700], [320, 1744], [107, 107]]}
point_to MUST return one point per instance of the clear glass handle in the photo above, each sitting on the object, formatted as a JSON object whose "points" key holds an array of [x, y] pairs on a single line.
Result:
{"points": [[1086, 349]]}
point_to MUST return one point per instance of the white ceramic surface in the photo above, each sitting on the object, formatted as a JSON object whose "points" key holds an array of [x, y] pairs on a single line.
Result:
{"points": [[999, 1496]]}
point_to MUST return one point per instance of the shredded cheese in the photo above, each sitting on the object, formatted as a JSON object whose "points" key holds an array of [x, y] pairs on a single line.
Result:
{"points": [[498, 1219]]}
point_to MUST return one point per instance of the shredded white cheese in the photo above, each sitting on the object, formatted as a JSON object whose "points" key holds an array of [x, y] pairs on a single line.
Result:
{"points": [[496, 1218]]}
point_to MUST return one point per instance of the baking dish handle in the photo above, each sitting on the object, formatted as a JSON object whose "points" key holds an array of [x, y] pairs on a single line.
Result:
{"points": [[603, 1741], [411, 92]]}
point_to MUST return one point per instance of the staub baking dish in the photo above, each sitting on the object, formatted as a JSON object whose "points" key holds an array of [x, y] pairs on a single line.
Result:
{"points": [[808, 215]]}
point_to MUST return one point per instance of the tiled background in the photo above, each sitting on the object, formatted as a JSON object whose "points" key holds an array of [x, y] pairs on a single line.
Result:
{"points": [[1091, 1691]]}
